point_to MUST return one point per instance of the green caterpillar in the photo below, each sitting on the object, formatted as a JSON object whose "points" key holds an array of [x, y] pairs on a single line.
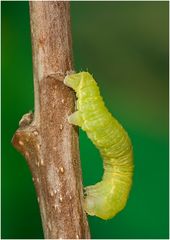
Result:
{"points": [[106, 198]]}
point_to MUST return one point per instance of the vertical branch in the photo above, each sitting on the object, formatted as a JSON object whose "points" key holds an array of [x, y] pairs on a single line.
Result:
{"points": [[48, 142]]}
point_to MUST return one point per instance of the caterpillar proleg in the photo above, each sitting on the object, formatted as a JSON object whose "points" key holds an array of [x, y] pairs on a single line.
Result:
{"points": [[108, 197]]}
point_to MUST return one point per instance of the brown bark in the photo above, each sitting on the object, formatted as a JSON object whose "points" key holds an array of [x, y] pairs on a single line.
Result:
{"points": [[46, 139]]}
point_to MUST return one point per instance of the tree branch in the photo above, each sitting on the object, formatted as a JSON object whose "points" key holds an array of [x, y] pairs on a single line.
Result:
{"points": [[46, 139]]}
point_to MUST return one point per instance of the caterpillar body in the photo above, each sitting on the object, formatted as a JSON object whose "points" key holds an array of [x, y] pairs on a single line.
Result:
{"points": [[106, 198]]}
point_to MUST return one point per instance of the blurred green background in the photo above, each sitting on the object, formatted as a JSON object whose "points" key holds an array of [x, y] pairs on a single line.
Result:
{"points": [[125, 46]]}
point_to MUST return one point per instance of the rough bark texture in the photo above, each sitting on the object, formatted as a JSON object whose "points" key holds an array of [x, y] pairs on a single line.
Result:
{"points": [[46, 139]]}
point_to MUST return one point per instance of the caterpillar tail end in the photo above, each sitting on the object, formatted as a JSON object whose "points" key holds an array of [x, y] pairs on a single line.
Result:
{"points": [[94, 204], [89, 205]]}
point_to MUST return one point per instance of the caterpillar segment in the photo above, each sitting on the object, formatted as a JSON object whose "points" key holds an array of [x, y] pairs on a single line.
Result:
{"points": [[109, 196]]}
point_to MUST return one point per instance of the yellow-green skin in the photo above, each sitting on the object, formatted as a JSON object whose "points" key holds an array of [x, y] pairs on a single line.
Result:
{"points": [[106, 198]]}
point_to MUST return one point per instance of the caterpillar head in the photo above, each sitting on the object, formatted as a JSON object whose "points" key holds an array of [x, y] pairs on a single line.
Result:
{"points": [[73, 80]]}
